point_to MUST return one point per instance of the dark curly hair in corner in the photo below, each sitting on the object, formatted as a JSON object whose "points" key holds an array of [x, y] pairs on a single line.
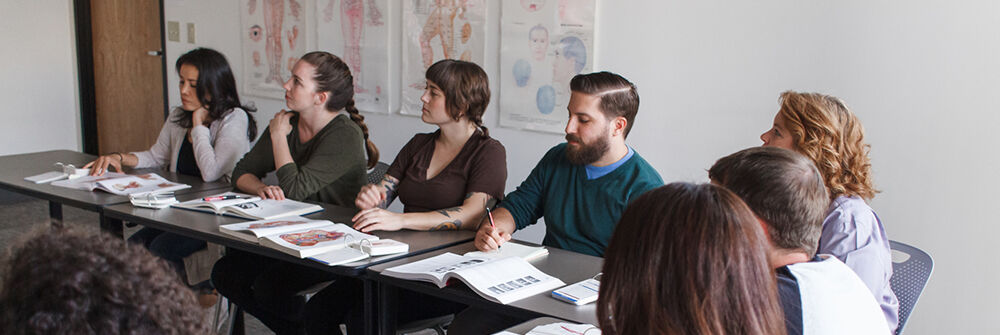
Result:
{"points": [[69, 281]]}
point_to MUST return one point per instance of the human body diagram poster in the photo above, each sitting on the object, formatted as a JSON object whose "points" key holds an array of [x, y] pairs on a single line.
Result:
{"points": [[358, 32], [273, 40], [434, 30], [544, 43]]}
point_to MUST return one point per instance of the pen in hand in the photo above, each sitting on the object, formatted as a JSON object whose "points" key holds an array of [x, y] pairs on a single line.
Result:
{"points": [[489, 214]]}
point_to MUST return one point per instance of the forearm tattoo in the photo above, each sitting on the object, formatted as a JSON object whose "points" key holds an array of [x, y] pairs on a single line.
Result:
{"points": [[449, 225], [390, 184], [447, 211]]}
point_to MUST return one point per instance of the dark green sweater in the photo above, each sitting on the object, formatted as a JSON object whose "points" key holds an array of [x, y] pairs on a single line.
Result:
{"points": [[580, 214], [328, 168]]}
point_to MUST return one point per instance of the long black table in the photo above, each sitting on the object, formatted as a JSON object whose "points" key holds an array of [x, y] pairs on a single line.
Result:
{"points": [[568, 266], [205, 226], [14, 168]]}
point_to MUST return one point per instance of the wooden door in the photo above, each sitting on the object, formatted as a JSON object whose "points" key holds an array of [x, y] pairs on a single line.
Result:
{"points": [[128, 73]]}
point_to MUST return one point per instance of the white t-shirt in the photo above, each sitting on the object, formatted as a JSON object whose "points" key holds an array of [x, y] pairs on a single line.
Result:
{"points": [[835, 300]]}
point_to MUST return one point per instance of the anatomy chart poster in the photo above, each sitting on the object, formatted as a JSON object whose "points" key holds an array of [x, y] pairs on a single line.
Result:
{"points": [[434, 30], [357, 31], [274, 37], [544, 43]]}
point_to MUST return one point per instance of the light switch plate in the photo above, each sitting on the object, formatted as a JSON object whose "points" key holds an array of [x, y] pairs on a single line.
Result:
{"points": [[190, 32], [173, 31]]}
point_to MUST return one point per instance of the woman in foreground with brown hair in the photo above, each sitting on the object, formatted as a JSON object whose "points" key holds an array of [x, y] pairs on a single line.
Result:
{"points": [[688, 259]]}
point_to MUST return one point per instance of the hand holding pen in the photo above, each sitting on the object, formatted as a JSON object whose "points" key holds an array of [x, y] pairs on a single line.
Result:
{"points": [[488, 237], [489, 214]]}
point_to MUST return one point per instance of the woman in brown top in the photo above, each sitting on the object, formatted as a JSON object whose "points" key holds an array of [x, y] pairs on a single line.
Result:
{"points": [[443, 179]]}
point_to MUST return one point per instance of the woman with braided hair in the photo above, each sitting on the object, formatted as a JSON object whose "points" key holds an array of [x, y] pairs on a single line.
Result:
{"points": [[318, 152]]}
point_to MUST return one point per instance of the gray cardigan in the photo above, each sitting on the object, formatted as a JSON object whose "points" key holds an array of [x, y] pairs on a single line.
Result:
{"points": [[217, 148]]}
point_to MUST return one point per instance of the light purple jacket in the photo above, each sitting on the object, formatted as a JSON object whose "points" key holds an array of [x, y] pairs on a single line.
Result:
{"points": [[855, 235]]}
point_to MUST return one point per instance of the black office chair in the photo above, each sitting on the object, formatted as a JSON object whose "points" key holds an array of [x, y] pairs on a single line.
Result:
{"points": [[909, 277], [376, 173]]}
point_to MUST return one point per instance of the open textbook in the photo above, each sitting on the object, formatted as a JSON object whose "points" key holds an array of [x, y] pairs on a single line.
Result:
{"points": [[249, 206], [301, 237], [559, 328], [122, 184], [503, 280]]}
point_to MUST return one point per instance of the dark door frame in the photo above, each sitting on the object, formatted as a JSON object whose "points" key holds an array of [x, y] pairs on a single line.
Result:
{"points": [[85, 71]]}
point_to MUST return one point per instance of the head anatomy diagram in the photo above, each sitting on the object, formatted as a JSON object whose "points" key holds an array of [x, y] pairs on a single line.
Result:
{"points": [[538, 42], [570, 58]]}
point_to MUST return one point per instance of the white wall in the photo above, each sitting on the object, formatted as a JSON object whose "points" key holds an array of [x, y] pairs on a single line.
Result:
{"points": [[38, 83], [922, 75]]}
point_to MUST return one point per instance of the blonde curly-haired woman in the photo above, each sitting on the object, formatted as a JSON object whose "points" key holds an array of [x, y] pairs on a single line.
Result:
{"points": [[822, 128]]}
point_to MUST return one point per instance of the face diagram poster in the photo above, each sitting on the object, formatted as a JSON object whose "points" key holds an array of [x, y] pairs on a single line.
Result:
{"points": [[357, 31], [273, 40], [544, 43], [434, 30]]}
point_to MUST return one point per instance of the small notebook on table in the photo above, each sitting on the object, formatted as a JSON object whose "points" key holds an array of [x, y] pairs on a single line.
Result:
{"points": [[249, 206], [581, 293]]}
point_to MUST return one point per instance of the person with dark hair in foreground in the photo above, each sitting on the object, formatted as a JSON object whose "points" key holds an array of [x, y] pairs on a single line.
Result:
{"points": [[688, 259], [69, 281], [819, 293]]}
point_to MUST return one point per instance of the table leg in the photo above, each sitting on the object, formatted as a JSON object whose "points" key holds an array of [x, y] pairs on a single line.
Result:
{"points": [[113, 226], [369, 311], [237, 321], [387, 298], [55, 214]]}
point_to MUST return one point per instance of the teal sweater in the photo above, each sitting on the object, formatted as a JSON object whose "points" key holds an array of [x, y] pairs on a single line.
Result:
{"points": [[580, 214]]}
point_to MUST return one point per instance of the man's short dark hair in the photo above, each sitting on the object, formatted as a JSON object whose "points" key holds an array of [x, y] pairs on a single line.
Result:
{"points": [[783, 188], [618, 95], [70, 281]]}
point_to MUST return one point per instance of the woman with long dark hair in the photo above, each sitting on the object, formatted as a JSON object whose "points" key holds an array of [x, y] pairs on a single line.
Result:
{"points": [[688, 259], [204, 137], [207, 134]]}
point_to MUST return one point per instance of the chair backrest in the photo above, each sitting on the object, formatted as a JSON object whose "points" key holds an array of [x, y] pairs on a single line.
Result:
{"points": [[376, 173], [909, 277]]}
